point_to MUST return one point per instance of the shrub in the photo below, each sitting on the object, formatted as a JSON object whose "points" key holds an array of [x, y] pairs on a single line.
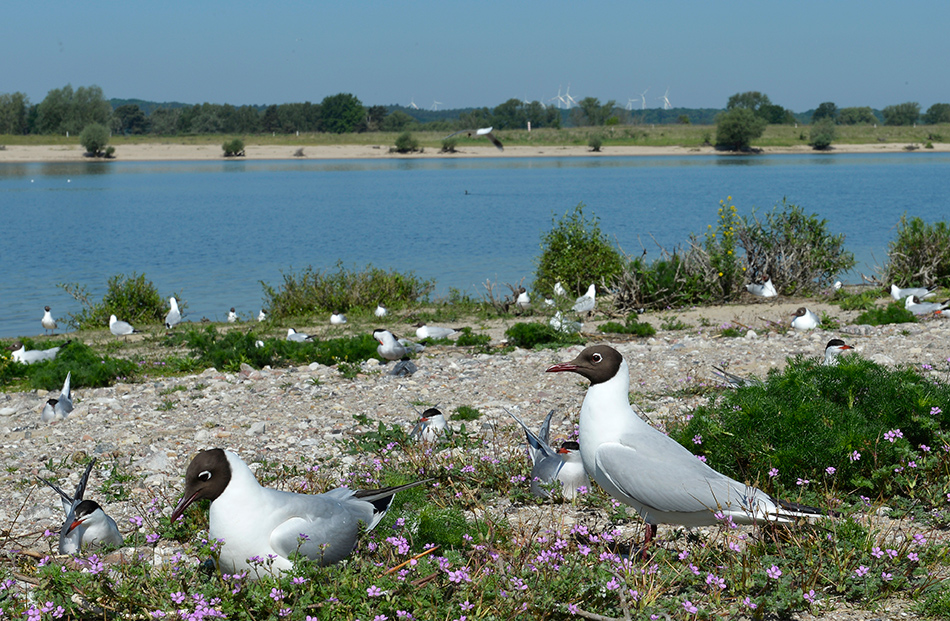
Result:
{"points": [[406, 143], [632, 325], [466, 412], [854, 301], [233, 148], [469, 339], [314, 291], [94, 138], [449, 145], [595, 142], [823, 133], [737, 128], [795, 249], [130, 298], [672, 280], [920, 255], [530, 335], [892, 313], [89, 369], [576, 253]]}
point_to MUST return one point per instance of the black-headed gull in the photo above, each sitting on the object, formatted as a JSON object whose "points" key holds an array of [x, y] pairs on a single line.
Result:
{"points": [[804, 319], [585, 303], [87, 526], [58, 409], [649, 471], [28, 356], [548, 464], [484, 131], [297, 337], [764, 289], [431, 427], [173, 318], [921, 292], [263, 528], [833, 349], [523, 301], [914, 305], [232, 316], [120, 328], [49, 324], [261, 316]]}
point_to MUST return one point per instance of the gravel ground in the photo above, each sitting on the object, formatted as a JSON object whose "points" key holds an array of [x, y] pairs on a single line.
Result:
{"points": [[303, 412]]}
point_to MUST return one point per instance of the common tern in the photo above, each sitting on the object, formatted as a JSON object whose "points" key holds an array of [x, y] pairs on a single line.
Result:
{"points": [[87, 526], [232, 316], [649, 471], [120, 328], [173, 318], [804, 319], [585, 303], [548, 464], [58, 409], [380, 311], [424, 331], [764, 289], [263, 528], [29, 356], [523, 301], [484, 131], [921, 292], [49, 324], [297, 337], [337, 319], [431, 427], [833, 349], [914, 305]]}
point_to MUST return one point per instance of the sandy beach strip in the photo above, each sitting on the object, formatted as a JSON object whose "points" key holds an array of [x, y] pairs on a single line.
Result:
{"points": [[147, 152]]}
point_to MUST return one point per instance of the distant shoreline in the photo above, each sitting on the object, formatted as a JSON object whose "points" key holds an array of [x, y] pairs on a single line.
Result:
{"points": [[157, 152]]}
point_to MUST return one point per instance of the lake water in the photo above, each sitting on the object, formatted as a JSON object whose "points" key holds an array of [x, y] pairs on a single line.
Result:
{"points": [[214, 230]]}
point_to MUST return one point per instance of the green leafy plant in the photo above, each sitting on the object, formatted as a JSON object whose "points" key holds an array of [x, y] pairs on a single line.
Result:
{"points": [[721, 250], [823, 133], [863, 300], [595, 142], [469, 339], [631, 325], [529, 335], [94, 138], [88, 368], [406, 143], [879, 316], [466, 412], [449, 145], [920, 255], [131, 298], [233, 148]]}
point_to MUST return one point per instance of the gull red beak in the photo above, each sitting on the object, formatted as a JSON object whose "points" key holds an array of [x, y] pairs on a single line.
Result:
{"points": [[563, 366], [183, 504]]}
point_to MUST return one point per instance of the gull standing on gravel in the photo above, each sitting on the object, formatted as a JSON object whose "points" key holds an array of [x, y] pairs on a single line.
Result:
{"points": [[256, 522], [833, 349], [484, 131], [804, 319], [548, 465], [58, 409], [49, 324], [28, 356], [232, 316], [87, 525], [424, 331], [914, 305], [763, 290], [173, 318], [899, 294], [337, 319], [648, 470], [297, 337], [380, 311], [431, 427], [120, 328], [585, 303]]}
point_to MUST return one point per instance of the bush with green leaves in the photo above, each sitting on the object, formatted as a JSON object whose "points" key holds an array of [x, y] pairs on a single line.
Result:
{"points": [[595, 142], [94, 138], [576, 253], [851, 422], [529, 335], [823, 133], [313, 291], [737, 128], [920, 255], [233, 148], [449, 145], [406, 143], [88, 368], [794, 248], [131, 298], [631, 325], [879, 316]]}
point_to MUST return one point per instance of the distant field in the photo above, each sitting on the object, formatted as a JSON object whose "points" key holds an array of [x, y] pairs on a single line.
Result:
{"points": [[633, 135]]}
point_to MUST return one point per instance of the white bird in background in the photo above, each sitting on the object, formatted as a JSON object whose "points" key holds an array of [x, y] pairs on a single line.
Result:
{"points": [[393, 348], [380, 311], [173, 318], [297, 337], [424, 331], [523, 301], [548, 465], [120, 328], [431, 427], [899, 294], [763, 290], [585, 303], [804, 319], [914, 305], [49, 324], [833, 349], [58, 409], [559, 289], [337, 319], [232, 316], [87, 526], [649, 471], [484, 131], [28, 356], [566, 326], [261, 316], [257, 522]]}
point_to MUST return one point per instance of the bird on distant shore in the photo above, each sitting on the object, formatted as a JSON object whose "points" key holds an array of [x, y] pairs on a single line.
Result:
{"points": [[263, 528], [337, 319], [764, 289], [548, 464], [49, 324], [431, 427], [87, 526], [899, 294], [58, 409], [804, 319], [173, 318], [484, 131], [232, 316], [914, 305], [297, 337], [586, 303], [120, 328], [649, 471]]}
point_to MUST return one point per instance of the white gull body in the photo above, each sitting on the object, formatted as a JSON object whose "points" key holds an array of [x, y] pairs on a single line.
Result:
{"points": [[120, 328], [586, 303], [914, 305], [762, 290], [804, 319], [232, 316], [549, 464], [47, 321], [58, 409], [29, 356], [899, 294], [173, 318]]}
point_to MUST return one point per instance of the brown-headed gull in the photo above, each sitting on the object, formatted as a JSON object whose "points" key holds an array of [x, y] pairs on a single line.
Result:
{"points": [[48, 323], [804, 319]]}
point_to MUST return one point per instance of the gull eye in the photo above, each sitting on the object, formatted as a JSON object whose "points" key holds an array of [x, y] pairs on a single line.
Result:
{"points": [[596, 358], [205, 475]]}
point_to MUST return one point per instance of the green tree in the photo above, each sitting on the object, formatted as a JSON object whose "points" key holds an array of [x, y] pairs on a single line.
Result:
{"points": [[164, 121], [737, 128], [341, 113], [129, 119], [856, 116], [270, 122], [576, 253], [396, 121], [14, 109], [94, 138], [375, 116], [775, 114], [937, 113], [591, 112], [65, 110], [823, 133], [750, 100], [509, 115], [826, 110], [406, 143], [902, 114]]}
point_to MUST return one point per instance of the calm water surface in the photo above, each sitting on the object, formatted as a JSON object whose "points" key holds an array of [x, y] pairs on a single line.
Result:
{"points": [[214, 230]]}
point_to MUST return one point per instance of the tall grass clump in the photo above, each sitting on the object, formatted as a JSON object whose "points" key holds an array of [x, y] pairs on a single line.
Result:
{"points": [[131, 298], [577, 253], [529, 335], [794, 248], [312, 291], [871, 429], [879, 316], [920, 255]]}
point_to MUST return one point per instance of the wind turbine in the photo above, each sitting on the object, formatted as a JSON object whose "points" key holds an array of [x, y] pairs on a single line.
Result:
{"points": [[558, 99], [665, 99], [435, 105], [570, 100], [643, 99], [630, 101], [412, 104]]}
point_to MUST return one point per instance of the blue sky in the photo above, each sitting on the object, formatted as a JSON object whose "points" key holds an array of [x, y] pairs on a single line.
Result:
{"points": [[463, 54]]}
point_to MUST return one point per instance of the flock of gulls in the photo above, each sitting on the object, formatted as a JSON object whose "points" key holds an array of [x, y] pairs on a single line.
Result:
{"points": [[616, 447]]}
